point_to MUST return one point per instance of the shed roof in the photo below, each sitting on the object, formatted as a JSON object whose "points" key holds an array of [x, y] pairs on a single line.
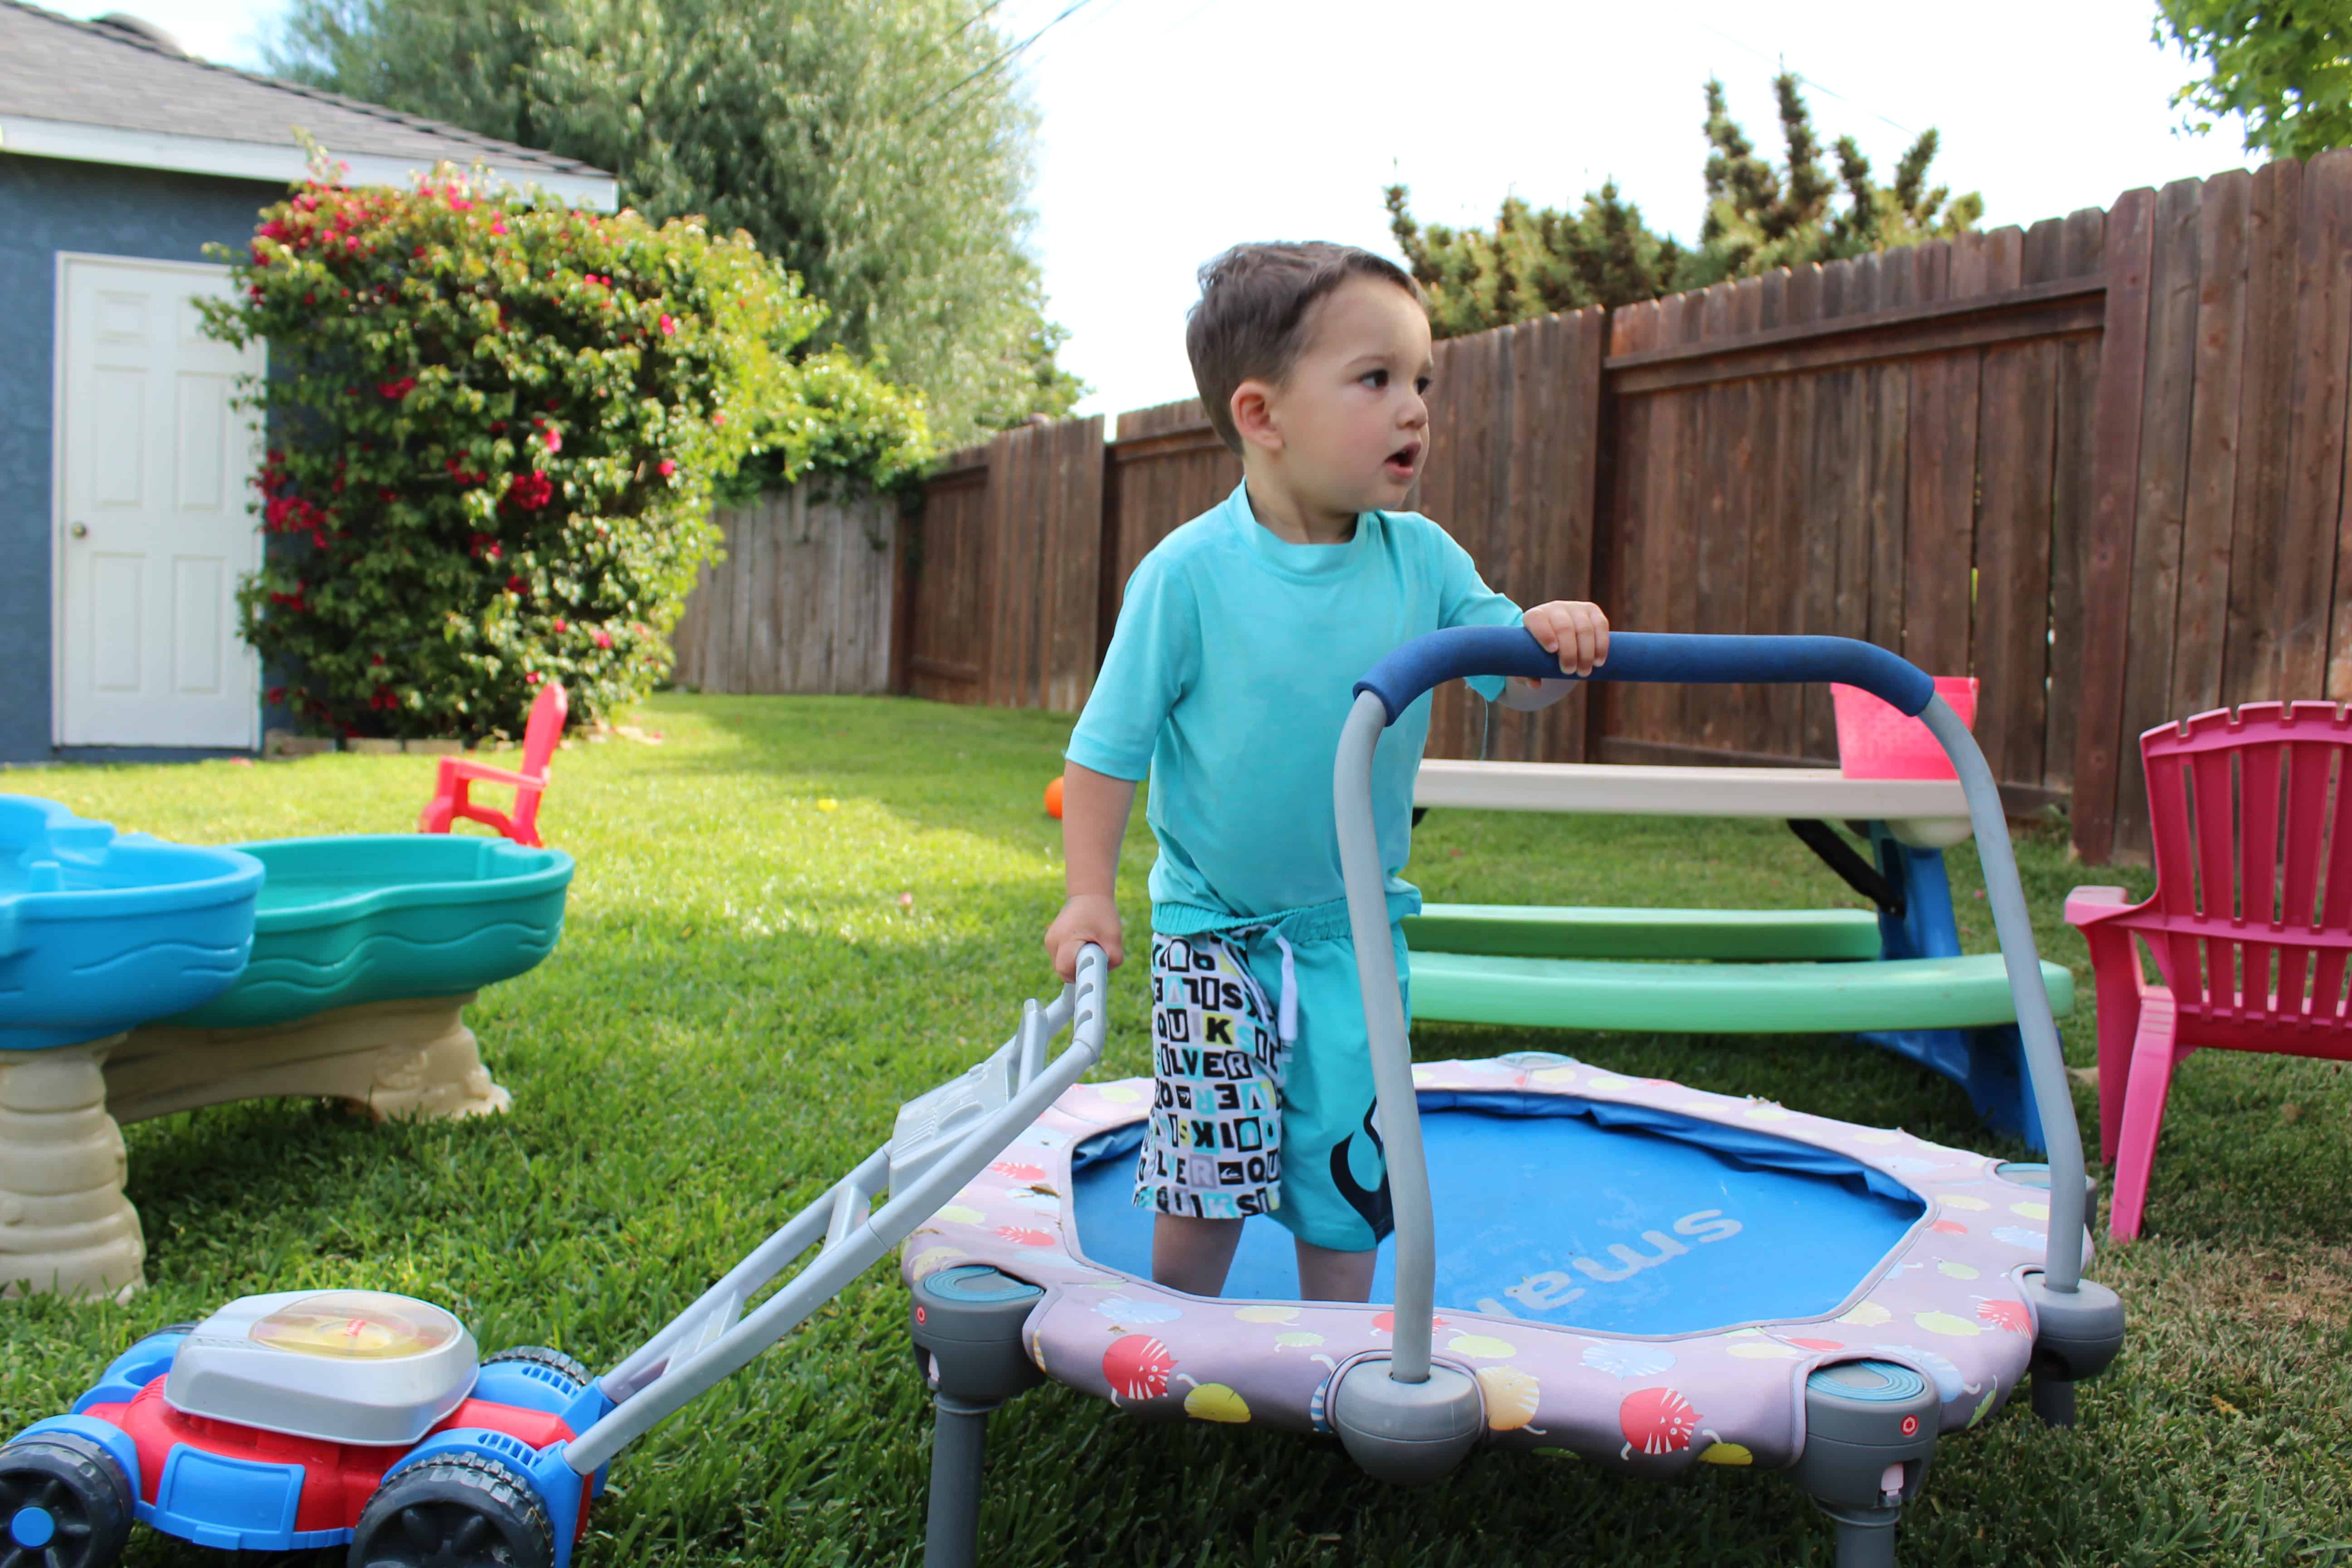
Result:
{"points": [[86, 89]]}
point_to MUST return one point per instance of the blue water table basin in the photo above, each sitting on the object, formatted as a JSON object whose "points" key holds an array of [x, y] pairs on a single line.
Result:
{"points": [[101, 930]]}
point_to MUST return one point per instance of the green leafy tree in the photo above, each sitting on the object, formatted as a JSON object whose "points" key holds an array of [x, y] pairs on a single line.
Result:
{"points": [[1534, 261], [496, 427], [880, 149], [1758, 216], [2284, 66]]}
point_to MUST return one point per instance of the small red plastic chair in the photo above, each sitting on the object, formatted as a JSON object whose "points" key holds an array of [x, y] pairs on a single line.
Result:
{"points": [[2251, 941], [459, 775]]}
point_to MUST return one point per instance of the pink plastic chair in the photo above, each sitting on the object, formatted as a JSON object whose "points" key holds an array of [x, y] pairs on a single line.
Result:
{"points": [[2249, 940], [458, 775]]}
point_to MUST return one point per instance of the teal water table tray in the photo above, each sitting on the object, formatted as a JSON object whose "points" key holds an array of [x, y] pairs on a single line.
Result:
{"points": [[387, 917], [101, 930], [365, 952]]}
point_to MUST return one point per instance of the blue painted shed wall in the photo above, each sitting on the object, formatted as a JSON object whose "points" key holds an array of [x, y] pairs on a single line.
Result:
{"points": [[46, 206]]}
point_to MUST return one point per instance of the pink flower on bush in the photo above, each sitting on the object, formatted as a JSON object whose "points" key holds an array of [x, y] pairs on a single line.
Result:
{"points": [[397, 390], [498, 225], [517, 586], [530, 678], [604, 637], [530, 491], [555, 440], [666, 467], [561, 625], [670, 326]]}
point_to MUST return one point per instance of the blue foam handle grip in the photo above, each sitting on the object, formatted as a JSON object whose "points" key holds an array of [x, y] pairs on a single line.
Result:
{"points": [[1677, 656]]}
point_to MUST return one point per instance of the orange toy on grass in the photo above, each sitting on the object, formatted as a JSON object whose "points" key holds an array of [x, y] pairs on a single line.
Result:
{"points": [[1053, 799]]}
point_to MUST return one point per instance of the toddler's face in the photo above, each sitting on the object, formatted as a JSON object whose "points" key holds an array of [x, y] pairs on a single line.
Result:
{"points": [[1355, 430]]}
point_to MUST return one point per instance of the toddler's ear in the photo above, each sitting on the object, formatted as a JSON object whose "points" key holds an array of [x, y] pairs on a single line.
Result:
{"points": [[1252, 410]]}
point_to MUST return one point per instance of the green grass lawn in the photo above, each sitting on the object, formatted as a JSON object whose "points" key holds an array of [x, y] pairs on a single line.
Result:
{"points": [[745, 991]]}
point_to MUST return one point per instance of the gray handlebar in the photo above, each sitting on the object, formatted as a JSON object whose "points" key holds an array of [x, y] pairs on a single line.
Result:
{"points": [[1399, 1112]]}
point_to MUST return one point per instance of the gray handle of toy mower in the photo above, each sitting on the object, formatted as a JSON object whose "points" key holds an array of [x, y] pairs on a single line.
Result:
{"points": [[1400, 679], [713, 1338]]}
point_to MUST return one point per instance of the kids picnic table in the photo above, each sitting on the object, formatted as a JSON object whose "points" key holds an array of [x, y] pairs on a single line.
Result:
{"points": [[1892, 974]]}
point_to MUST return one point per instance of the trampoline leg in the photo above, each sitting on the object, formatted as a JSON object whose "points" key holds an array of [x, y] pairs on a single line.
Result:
{"points": [[959, 1443], [2054, 1400], [1865, 1536], [966, 1327], [1870, 1436]]}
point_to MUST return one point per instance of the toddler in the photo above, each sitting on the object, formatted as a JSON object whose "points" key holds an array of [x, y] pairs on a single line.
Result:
{"points": [[1239, 642]]}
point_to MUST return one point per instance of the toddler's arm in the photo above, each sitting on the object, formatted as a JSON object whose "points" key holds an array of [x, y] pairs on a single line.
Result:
{"points": [[1094, 808]]}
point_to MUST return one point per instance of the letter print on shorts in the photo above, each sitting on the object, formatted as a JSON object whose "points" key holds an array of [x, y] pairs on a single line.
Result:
{"points": [[1214, 1147]]}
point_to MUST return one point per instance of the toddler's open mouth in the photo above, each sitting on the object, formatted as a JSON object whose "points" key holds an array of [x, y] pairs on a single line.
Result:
{"points": [[1401, 462]]}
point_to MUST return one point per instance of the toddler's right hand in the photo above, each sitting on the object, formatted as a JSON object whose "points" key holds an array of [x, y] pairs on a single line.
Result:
{"points": [[1085, 918]]}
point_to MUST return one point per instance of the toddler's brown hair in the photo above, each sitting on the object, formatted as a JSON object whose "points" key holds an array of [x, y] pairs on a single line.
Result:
{"points": [[1253, 307]]}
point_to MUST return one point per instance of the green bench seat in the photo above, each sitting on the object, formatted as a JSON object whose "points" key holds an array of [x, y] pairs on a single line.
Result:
{"points": [[1524, 931], [1965, 992]]}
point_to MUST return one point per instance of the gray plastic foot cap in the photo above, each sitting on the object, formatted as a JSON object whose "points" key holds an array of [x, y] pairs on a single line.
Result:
{"points": [[967, 1321], [1407, 1434], [2076, 1333]]}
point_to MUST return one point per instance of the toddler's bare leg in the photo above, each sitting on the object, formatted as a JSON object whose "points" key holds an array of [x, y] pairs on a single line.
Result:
{"points": [[1193, 1255], [1328, 1276]]}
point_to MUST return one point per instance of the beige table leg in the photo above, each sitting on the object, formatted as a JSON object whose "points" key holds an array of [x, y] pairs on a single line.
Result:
{"points": [[65, 1225], [396, 1058]]}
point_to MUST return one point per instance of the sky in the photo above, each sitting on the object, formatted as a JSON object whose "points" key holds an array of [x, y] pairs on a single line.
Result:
{"points": [[1171, 129]]}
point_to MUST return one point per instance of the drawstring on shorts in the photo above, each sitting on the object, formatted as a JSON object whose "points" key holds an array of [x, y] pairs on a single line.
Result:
{"points": [[1287, 1013]]}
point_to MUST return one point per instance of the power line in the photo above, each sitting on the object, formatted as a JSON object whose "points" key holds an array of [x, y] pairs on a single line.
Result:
{"points": [[1780, 62], [1067, 12]]}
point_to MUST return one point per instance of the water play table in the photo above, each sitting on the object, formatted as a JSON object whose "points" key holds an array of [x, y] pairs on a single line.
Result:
{"points": [[349, 980], [1905, 984]]}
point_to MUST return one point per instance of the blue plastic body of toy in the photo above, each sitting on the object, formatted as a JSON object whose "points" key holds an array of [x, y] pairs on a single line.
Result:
{"points": [[101, 930]]}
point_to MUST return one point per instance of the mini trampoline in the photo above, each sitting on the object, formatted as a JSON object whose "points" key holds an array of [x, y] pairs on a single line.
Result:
{"points": [[1648, 1275]]}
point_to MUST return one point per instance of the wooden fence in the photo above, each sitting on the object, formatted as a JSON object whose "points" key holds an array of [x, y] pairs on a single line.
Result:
{"points": [[800, 601], [2098, 463]]}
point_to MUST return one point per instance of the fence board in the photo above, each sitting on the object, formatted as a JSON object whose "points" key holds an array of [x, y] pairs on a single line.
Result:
{"points": [[2324, 330], [1524, 487], [1886, 429], [2315, 465], [1939, 533], [2154, 592], [1775, 596], [2107, 552], [2251, 666], [2011, 650], [2200, 623], [2080, 251]]}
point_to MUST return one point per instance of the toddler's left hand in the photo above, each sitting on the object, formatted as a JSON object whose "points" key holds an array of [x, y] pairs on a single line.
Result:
{"points": [[1577, 632]]}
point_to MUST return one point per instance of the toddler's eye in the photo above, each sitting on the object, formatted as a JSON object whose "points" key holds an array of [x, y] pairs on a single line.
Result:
{"points": [[1375, 379], [1422, 385]]}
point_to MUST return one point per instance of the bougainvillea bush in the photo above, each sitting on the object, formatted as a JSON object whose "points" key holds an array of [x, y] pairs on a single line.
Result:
{"points": [[495, 431]]}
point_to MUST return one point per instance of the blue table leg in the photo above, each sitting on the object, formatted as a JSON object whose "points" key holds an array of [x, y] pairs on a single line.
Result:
{"points": [[1989, 1063]]}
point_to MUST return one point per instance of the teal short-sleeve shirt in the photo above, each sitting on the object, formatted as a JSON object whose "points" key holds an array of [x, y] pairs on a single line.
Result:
{"points": [[1228, 679]]}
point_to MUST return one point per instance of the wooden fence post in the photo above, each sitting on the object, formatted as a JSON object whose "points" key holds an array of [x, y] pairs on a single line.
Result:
{"points": [[2115, 490]]}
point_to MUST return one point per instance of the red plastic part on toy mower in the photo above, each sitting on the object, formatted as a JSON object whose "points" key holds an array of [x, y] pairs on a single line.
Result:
{"points": [[338, 1478]]}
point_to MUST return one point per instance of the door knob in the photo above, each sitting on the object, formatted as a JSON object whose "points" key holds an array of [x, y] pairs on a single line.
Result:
{"points": [[81, 530]]}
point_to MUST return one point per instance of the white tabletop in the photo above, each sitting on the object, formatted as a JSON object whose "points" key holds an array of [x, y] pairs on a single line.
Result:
{"points": [[1925, 812]]}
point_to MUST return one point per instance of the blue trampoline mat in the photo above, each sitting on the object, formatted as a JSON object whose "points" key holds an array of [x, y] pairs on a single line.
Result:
{"points": [[1583, 1214]]}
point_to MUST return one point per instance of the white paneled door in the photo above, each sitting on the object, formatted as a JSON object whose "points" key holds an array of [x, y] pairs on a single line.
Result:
{"points": [[154, 524]]}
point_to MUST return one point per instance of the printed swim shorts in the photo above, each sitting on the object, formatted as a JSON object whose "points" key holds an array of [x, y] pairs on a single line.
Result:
{"points": [[1262, 1085]]}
